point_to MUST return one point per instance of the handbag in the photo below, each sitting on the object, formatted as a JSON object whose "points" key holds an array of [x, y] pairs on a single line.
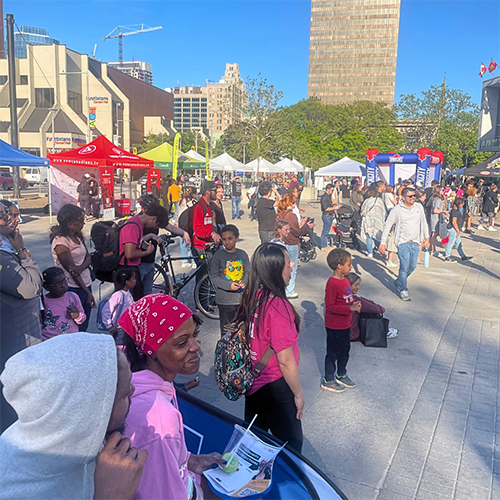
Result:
{"points": [[373, 329], [442, 226]]}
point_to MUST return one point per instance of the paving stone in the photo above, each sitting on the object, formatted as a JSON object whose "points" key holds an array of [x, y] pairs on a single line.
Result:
{"points": [[440, 489], [481, 449], [466, 492], [478, 436], [475, 477], [431, 495], [392, 495], [437, 479]]}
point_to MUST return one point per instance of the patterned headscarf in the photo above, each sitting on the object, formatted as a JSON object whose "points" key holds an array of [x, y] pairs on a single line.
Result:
{"points": [[152, 320]]}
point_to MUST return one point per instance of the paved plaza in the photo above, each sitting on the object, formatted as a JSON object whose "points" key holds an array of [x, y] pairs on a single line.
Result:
{"points": [[424, 420]]}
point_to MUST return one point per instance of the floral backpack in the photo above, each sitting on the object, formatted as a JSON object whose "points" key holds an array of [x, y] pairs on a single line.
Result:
{"points": [[233, 369]]}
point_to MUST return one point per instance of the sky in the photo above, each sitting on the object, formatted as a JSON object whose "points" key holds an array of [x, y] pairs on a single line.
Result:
{"points": [[436, 38]]}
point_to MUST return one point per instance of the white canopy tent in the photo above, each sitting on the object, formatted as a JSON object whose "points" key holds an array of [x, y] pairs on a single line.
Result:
{"points": [[196, 156], [341, 168], [229, 164], [264, 166], [289, 166]]}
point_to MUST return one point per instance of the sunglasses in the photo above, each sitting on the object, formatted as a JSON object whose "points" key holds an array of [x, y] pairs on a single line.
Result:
{"points": [[411, 196]]}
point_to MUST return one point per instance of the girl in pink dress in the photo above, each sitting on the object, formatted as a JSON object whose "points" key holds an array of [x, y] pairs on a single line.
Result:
{"points": [[63, 311]]}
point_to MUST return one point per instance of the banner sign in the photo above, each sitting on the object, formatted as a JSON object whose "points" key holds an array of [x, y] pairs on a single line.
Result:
{"points": [[153, 183], [175, 158], [207, 160], [92, 118], [106, 176]]}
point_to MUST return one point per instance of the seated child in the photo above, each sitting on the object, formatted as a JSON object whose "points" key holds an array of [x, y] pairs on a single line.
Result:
{"points": [[367, 306]]}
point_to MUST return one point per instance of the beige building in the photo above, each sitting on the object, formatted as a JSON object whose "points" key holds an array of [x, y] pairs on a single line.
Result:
{"points": [[212, 108], [353, 50], [53, 83]]}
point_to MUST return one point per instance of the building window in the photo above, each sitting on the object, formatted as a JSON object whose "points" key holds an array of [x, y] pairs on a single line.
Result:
{"points": [[44, 98], [177, 99], [75, 101], [3, 79], [24, 80], [203, 99]]}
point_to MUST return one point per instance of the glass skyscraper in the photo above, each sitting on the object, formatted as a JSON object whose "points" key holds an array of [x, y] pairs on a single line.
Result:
{"points": [[32, 36], [353, 50]]}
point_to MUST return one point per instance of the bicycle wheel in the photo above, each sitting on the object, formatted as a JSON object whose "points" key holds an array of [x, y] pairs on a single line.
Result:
{"points": [[161, 281], [204, 297]]}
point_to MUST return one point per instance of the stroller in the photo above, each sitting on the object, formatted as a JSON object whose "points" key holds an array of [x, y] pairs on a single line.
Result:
{"points": [[345, 228], [307, 248]]}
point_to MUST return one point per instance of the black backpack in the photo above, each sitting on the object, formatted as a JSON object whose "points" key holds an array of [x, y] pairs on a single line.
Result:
{"points": [[185, 222], [105, 236]]}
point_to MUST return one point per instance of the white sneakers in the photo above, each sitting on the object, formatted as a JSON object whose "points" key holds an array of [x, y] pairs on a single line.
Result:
{"points": [[389, 263], [392, 333], [491, 228], [480, 228]]}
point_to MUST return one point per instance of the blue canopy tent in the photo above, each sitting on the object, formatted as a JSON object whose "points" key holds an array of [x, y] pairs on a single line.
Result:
{"points": [[13, 157]]}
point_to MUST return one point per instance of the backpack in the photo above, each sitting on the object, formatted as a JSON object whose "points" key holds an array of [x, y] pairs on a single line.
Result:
{"points": [[105, 236], [98, 321], [185, 221], [233, 369]]}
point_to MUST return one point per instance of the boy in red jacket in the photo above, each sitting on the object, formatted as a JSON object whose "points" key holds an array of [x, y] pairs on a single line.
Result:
{"points": [[339, 305]]}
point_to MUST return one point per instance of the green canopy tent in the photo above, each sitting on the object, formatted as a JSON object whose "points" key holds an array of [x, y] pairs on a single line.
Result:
{"points": [[163, 156]]}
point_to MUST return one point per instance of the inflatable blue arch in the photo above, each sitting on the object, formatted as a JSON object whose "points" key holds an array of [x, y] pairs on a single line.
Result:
{"points": [[422, 167]]}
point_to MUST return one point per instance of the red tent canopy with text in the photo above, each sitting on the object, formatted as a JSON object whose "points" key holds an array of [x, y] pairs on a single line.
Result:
{"points": [[100, 157], [101, 152]]}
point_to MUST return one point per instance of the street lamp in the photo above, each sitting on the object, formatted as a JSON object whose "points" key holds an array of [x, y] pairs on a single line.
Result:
{"points": [[88, 97]]}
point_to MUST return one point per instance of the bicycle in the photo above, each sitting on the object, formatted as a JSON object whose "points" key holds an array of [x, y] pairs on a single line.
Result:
{"points": [[165, 281]]}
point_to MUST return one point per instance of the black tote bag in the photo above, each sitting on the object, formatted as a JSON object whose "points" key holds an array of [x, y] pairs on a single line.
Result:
{"points": [[373, 329]]}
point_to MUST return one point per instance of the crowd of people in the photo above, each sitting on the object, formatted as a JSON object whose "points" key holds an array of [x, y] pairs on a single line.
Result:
{"points": [[96, 416]]}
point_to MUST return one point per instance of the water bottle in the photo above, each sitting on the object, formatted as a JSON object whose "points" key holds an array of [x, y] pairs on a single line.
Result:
{"points": [[426, 259]]}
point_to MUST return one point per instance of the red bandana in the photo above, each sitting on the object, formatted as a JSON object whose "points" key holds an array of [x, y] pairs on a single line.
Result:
{"points": [[153, 319]]}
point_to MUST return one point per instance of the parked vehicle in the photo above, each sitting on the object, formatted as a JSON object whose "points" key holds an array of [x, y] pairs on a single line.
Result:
{"points": [[36, 175], [7, 182]]}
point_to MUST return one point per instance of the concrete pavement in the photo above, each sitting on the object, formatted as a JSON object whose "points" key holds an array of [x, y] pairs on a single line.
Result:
{"points": [[424, 419]]}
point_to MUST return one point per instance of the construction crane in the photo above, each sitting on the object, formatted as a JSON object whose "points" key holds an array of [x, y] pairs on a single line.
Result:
{"points": [[134, 29]]}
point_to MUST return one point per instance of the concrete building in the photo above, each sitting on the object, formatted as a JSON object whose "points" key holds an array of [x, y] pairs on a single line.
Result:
{"points": [[122, 108], [29, 35], [353, 50], [212, 108], [489, 120], [138, 69]]}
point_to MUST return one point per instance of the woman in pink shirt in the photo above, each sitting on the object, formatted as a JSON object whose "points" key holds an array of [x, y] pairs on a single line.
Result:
{"points": [[276, 395], [162, 341]]}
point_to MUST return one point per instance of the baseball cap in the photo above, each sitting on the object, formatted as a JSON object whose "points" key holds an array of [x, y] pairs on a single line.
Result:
{"points": [[208, 186], [87, 175]]}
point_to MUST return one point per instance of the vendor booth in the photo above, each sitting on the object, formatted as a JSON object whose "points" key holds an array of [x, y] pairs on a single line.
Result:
{"points": [[227, 163], [13, 157], [163, 157], [341, 168], [487, 168], [263, 166], [421, 167], [100, 157], [289, 166]]}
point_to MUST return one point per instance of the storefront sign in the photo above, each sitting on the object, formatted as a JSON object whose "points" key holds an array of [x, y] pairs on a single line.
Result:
{"points": [[99, 100]]}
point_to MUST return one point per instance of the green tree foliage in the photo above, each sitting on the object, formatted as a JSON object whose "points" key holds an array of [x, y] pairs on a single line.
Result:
{"points": [[442, 119], [152, 141]]}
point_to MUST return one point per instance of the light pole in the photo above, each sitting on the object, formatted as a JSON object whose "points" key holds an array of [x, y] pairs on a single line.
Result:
{"points": [[53, 112], [88, 97]]}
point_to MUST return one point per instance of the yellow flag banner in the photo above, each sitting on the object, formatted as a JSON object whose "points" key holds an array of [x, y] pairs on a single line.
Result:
{"points": [[207, 160], [175, 158]]}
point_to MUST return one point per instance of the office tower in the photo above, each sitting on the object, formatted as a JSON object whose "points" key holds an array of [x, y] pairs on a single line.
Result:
{"points": [[353, 50], [137, 69], [28, 35]]}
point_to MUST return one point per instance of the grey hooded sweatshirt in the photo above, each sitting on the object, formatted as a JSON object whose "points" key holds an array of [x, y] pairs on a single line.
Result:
{"points": [[63, 392]]}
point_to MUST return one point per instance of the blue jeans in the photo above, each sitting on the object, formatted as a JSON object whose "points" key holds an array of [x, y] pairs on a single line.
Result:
{"points": [[236, 206], [175, 205], [369, 243], [86, 307], [293, 253], [185, 252], [408, 255], [327, 226], [453, 238], [147, 272]]}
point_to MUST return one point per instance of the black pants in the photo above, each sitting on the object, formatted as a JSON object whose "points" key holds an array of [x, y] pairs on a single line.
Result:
{"points": [[266, 236], [96, 206], [226, 316], [86, 203], [276, 410], [338, 344]]}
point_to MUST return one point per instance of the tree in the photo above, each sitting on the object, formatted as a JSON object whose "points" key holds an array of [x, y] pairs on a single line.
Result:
{"points": [[152, 141], [441, 119]]}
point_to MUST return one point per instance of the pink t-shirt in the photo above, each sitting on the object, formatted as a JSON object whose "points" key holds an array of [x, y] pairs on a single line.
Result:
{"points": [[54, 316], [131, 233], [78, 253], [276, 330]]}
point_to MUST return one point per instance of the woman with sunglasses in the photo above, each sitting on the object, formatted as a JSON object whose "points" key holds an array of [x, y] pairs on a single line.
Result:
{"points": [[71, 255], [20, 289]]}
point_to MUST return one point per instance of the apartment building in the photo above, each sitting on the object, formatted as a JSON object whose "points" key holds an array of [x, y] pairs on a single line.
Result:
{"points": [[353, 50], [138, 69], [212, 108]]}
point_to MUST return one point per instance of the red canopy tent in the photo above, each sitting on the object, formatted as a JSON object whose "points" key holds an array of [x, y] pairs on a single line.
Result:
{"points": [[100, 157]]}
